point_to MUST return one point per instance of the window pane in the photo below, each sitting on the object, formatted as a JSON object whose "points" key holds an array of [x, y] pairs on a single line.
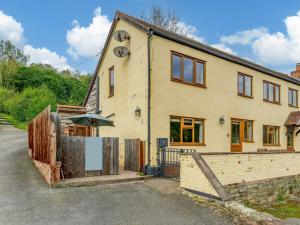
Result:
{"points": [[265, 91], [198, 131], [188, 122], [199, 73], [111, 82], [247, 85], [290, 97], [241, 84], [265, 134], [270, 92], [276, 136], [188, 70], [295, 98], [235, 133], [187, 135], [175, 130], [277, 93], [176, 71], [248, 130]]}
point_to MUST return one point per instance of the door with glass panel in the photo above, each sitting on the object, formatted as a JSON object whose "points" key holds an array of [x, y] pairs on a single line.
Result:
{"points": [[237, 135]]}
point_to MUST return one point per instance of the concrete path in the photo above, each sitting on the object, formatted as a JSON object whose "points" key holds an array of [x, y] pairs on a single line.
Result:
{"points": [[26, 199]]}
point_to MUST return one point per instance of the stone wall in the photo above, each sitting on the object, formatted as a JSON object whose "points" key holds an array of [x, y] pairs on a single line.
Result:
{"points": [[265, 191]]}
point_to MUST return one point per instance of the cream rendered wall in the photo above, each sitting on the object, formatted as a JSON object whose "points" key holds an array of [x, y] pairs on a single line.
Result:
{"points": [[130, 88], [218, 99], [238, 168], [192, 177]]}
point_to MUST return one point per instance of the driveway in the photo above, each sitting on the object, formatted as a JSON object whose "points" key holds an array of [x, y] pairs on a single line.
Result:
{"points": [[26, 199]]}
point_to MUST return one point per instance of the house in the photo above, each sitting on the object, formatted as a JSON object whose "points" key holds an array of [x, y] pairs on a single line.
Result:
{"points": [[170, 86]]}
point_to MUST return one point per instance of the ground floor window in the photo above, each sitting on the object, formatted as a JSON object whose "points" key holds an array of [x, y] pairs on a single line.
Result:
{"points": [[271, 135], [186, 131]]}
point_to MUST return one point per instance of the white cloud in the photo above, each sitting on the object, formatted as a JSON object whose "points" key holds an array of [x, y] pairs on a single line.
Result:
{"points": [[280, 48], [190, 31], [224, 48], [277, 49], [45, 56], [244, 37], [10, 29], [88, 41]]}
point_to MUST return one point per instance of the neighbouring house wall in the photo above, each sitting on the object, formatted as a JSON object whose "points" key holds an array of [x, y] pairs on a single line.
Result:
{"points": [[130, 89], [218, 99], [243, 172]]}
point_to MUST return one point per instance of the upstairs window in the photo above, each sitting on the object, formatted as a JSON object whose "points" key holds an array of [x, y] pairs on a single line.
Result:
{"points": [[271, 92], [187, 69], [293, 97], [244, 85], [111, 82], [186, 131]]}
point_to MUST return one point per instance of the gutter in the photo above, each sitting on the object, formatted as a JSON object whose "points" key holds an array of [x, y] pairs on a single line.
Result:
{"points": [[149, 94]]}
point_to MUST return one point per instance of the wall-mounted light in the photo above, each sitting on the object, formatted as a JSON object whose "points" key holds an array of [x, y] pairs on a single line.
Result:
{"points": [[222, 120], [138, 111]]}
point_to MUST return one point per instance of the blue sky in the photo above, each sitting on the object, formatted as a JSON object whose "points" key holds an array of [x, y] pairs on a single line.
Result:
{"points": [[66, 33]]}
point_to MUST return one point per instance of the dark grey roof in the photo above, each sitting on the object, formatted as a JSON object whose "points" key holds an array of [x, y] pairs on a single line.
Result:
{"points": [[147, 27]]}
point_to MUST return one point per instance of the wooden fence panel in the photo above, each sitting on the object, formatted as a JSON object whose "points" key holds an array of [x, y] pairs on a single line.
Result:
{"points": [[41, 137], [73, 157], [134, 154], [110, 156]]}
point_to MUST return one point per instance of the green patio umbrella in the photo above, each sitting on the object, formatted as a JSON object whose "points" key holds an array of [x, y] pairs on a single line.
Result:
{"points": [[90, 119]]}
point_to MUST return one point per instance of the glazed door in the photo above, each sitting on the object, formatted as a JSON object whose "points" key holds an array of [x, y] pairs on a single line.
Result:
{"points": [[237, 135], [290, 138]]}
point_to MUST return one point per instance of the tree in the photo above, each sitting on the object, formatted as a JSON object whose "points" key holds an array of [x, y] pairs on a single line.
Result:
{"points": [[168, 20], [8, 52]]}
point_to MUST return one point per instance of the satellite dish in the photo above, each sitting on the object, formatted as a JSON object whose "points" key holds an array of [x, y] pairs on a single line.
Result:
{"points": [[121, 51], [121, 35]]}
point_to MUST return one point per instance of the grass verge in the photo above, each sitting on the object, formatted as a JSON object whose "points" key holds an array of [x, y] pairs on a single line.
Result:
{"points": [[17, 124], [282, 210]]}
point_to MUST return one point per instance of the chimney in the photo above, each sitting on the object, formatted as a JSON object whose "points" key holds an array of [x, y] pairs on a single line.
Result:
{"points": [[296, 73]]}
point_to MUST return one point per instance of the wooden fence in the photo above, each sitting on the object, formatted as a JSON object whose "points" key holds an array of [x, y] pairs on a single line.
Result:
{"points": [[134, 155], [42, 145], [74, 153], [42, 137]]}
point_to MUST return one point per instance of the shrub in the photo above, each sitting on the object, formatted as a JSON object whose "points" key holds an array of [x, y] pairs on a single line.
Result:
{"points": [[5, 96], [30, 102]]}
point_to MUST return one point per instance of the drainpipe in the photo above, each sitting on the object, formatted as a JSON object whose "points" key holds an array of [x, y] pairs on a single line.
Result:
{"points": [[149, 94]]}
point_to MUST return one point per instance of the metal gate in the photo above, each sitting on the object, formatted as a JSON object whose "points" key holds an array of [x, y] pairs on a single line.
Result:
{"points": [[168, 159]]}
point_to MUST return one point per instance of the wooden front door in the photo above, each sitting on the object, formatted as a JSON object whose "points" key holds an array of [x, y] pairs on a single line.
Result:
{"points": [[237, 128]]}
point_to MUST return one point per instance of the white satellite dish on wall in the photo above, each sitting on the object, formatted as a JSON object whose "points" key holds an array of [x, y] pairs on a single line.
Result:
{"points": [[121, 51], [121, 35]]}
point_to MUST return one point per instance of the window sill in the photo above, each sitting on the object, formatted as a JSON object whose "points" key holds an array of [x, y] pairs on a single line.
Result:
{"points": [[293, 106], [110, 96], [187, 144], [249, 142], [187, 83], [276, 103], [246, 96]]}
